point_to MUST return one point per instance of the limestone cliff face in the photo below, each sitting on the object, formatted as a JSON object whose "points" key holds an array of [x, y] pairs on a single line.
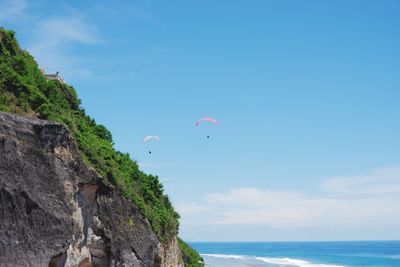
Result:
{"points": [[55, 211]]}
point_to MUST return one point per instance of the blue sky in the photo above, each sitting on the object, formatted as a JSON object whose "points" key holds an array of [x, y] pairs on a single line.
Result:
{"points": [[307, 94]]}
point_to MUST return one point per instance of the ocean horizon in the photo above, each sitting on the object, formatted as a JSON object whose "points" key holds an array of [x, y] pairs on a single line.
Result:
{"points": [[300, 253]]}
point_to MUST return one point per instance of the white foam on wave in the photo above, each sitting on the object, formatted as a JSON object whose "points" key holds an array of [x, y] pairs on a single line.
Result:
{"points": [[223, 256], [276, 261], [294, 262]]}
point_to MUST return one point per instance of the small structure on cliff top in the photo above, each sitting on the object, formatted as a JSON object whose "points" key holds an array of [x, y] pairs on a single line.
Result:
{"points": [[55, 76]]}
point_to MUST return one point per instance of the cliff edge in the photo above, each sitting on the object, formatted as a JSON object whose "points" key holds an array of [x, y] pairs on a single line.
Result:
{"points": [[56, 211]]}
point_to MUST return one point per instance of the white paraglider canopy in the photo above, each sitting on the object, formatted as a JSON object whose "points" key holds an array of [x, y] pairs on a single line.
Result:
{"points": [[151, 137]]}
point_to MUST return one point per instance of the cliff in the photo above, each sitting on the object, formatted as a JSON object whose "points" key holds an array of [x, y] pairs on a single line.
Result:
{"points": [[67, 196], [56, 211]]}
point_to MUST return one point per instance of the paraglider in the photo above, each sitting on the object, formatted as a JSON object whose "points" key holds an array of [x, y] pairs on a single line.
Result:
{"points": [[149, 138], [207, 119]]}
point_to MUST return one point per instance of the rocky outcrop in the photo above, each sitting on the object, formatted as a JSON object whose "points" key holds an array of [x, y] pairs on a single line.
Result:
{"points": [[55, 211]]}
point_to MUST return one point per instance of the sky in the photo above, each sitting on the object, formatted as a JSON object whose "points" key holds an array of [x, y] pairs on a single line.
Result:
{"points": [[306, 94]]}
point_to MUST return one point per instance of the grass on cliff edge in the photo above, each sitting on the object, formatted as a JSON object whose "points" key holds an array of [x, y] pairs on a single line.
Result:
{"points": [[24, 90]]}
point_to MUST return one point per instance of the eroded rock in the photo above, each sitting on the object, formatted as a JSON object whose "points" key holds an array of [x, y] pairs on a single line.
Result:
{"points": [[55, 211]]}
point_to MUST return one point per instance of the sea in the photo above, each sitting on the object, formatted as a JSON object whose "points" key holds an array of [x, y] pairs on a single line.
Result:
{"points": [[300, 254]]}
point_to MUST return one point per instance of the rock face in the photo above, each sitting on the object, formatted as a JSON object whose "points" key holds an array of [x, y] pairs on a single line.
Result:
{"points": [[55, 211]]}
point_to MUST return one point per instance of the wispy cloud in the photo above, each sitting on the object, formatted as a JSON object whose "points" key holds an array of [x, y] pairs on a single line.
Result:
{"points": [[59, 30], [380, 181], [280, 209], [53, 38], [56, 39], [287, 209], [12, 10]]}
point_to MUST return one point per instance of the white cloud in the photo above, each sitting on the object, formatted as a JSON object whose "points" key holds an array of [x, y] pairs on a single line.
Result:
{"points": [[291, 210], [12, 10], [280, 209], [59, 30], [380, 181], [53, 38]]}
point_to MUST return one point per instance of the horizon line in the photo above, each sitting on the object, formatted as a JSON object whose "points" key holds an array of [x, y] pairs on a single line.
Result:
{"points": [[300, 241]]}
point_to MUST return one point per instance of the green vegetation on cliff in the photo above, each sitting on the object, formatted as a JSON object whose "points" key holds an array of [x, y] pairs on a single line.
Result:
{"points": [[24, 90], [190, 257]]}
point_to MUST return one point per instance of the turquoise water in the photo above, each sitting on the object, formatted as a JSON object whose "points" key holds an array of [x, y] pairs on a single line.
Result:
{"points": [[301, 254]]}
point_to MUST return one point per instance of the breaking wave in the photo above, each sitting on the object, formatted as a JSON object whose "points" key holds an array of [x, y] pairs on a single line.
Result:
{"points": [[281, 262]]}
